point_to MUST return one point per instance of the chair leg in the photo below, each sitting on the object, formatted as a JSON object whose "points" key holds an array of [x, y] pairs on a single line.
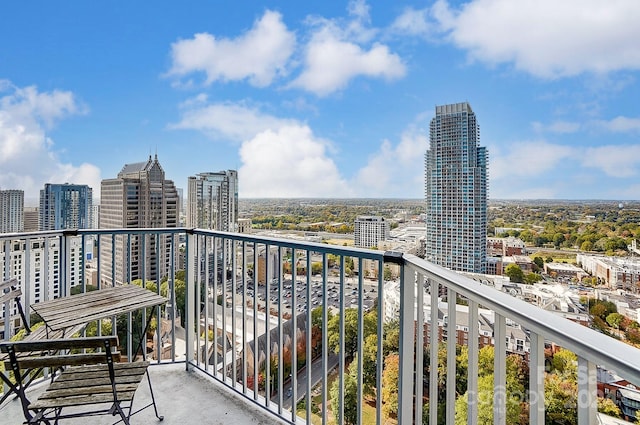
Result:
{"points": [[153, 398]]}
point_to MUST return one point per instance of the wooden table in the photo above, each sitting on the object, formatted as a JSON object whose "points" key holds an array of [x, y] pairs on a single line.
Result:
{"points": [[69, 312]]}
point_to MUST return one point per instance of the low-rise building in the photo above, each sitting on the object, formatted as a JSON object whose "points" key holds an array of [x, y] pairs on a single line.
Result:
{"points": [[615, 272], [565, 271]]}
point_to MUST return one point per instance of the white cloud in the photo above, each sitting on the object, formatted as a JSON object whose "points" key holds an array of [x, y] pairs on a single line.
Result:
{"points": [[547, 38], [412, 22], [559, 127], [621, 124], [392, 169], [526, 159], [341, 50], [233, 121], [331, 62], [259, 55], [289, 162], [27, 156], [615, 161]]}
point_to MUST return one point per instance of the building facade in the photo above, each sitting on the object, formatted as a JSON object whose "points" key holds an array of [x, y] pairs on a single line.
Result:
{"points": [[65, 206], [11, 211], [31, 218], [615, 272], [213, 201], [139, 197], [456, 191], [369, 231]]}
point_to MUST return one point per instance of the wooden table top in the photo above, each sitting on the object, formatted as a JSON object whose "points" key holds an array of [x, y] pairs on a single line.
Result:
{"points": [[61, 313]]}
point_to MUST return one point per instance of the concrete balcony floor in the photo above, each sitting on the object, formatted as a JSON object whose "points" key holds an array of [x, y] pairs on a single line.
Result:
{"points": [[182, 398]]}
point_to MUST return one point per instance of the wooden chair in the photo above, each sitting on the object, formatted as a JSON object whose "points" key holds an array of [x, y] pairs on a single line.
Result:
{"points": [[10, 292], [92, 382]]}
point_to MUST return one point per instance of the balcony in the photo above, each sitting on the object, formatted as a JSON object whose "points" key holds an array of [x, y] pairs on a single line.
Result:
{"points": [[236, 335]]}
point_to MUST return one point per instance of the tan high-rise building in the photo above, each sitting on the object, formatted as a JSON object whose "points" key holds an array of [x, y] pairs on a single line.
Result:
{"points": [[31, 216], [140, 197]]}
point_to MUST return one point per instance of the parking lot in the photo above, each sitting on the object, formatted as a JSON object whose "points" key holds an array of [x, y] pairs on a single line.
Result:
{"points": [[290, 295]]}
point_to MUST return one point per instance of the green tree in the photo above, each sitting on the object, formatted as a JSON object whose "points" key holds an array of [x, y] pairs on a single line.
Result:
{"points": [[517, 407], [586, 246], [386, 273], [514, 272], [351, 330], [531, 278], [369, 364], [390, 376], [608, 407], [615, 319], [391, 342], [180, 294], [349, 401], [316, 267], [560, 400], [538, 261]]}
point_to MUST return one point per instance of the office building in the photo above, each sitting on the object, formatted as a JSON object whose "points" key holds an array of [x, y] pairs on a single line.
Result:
{"points": [[11, 211], [31, 218], [456, 191], [212, 201], [369, 231], [65, 206], [139, 197]]}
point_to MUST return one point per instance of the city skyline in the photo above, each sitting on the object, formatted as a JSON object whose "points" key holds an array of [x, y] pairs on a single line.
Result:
{"points": [[321, 100]]}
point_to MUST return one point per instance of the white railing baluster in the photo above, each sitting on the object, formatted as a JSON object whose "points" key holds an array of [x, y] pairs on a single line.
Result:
{"points": [[587, 392], [420, 326], [536, 380], [407, 337], [451, 356], [434, 331], [472, 366], [500, 372]]}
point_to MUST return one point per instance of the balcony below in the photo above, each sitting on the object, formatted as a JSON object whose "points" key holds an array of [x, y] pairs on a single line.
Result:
{"points": [[182, 397]]}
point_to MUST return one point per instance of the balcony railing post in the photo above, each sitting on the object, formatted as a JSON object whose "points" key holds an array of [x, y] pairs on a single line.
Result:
{"points": [[452, 339], [472, 366], [500, 371], [189, 296], [587, 388], [407, 344], [536, 380]]}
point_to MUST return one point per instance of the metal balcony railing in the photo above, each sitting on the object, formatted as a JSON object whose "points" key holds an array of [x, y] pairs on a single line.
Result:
{"points": [[288, 323]]}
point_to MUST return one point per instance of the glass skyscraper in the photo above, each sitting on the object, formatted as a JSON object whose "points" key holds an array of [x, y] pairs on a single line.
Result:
{"points": [[65, 206], [212, 201], [456, 191]]}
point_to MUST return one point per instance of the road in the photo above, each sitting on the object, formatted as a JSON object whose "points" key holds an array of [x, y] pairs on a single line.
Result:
{"points": [[316, 377]]}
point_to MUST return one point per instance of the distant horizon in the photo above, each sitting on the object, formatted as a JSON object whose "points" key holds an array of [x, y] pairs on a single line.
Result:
{"points": [[36, 202]]}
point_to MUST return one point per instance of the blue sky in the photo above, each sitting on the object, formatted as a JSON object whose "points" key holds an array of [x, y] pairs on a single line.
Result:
{"points": [[321, 99]]}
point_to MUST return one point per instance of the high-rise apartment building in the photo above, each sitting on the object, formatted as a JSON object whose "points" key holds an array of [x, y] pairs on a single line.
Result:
{"points": [[369, 231], [65, 206], [213, 201], [11, 211], [139, 197], [456, 191], [35, 263]]}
